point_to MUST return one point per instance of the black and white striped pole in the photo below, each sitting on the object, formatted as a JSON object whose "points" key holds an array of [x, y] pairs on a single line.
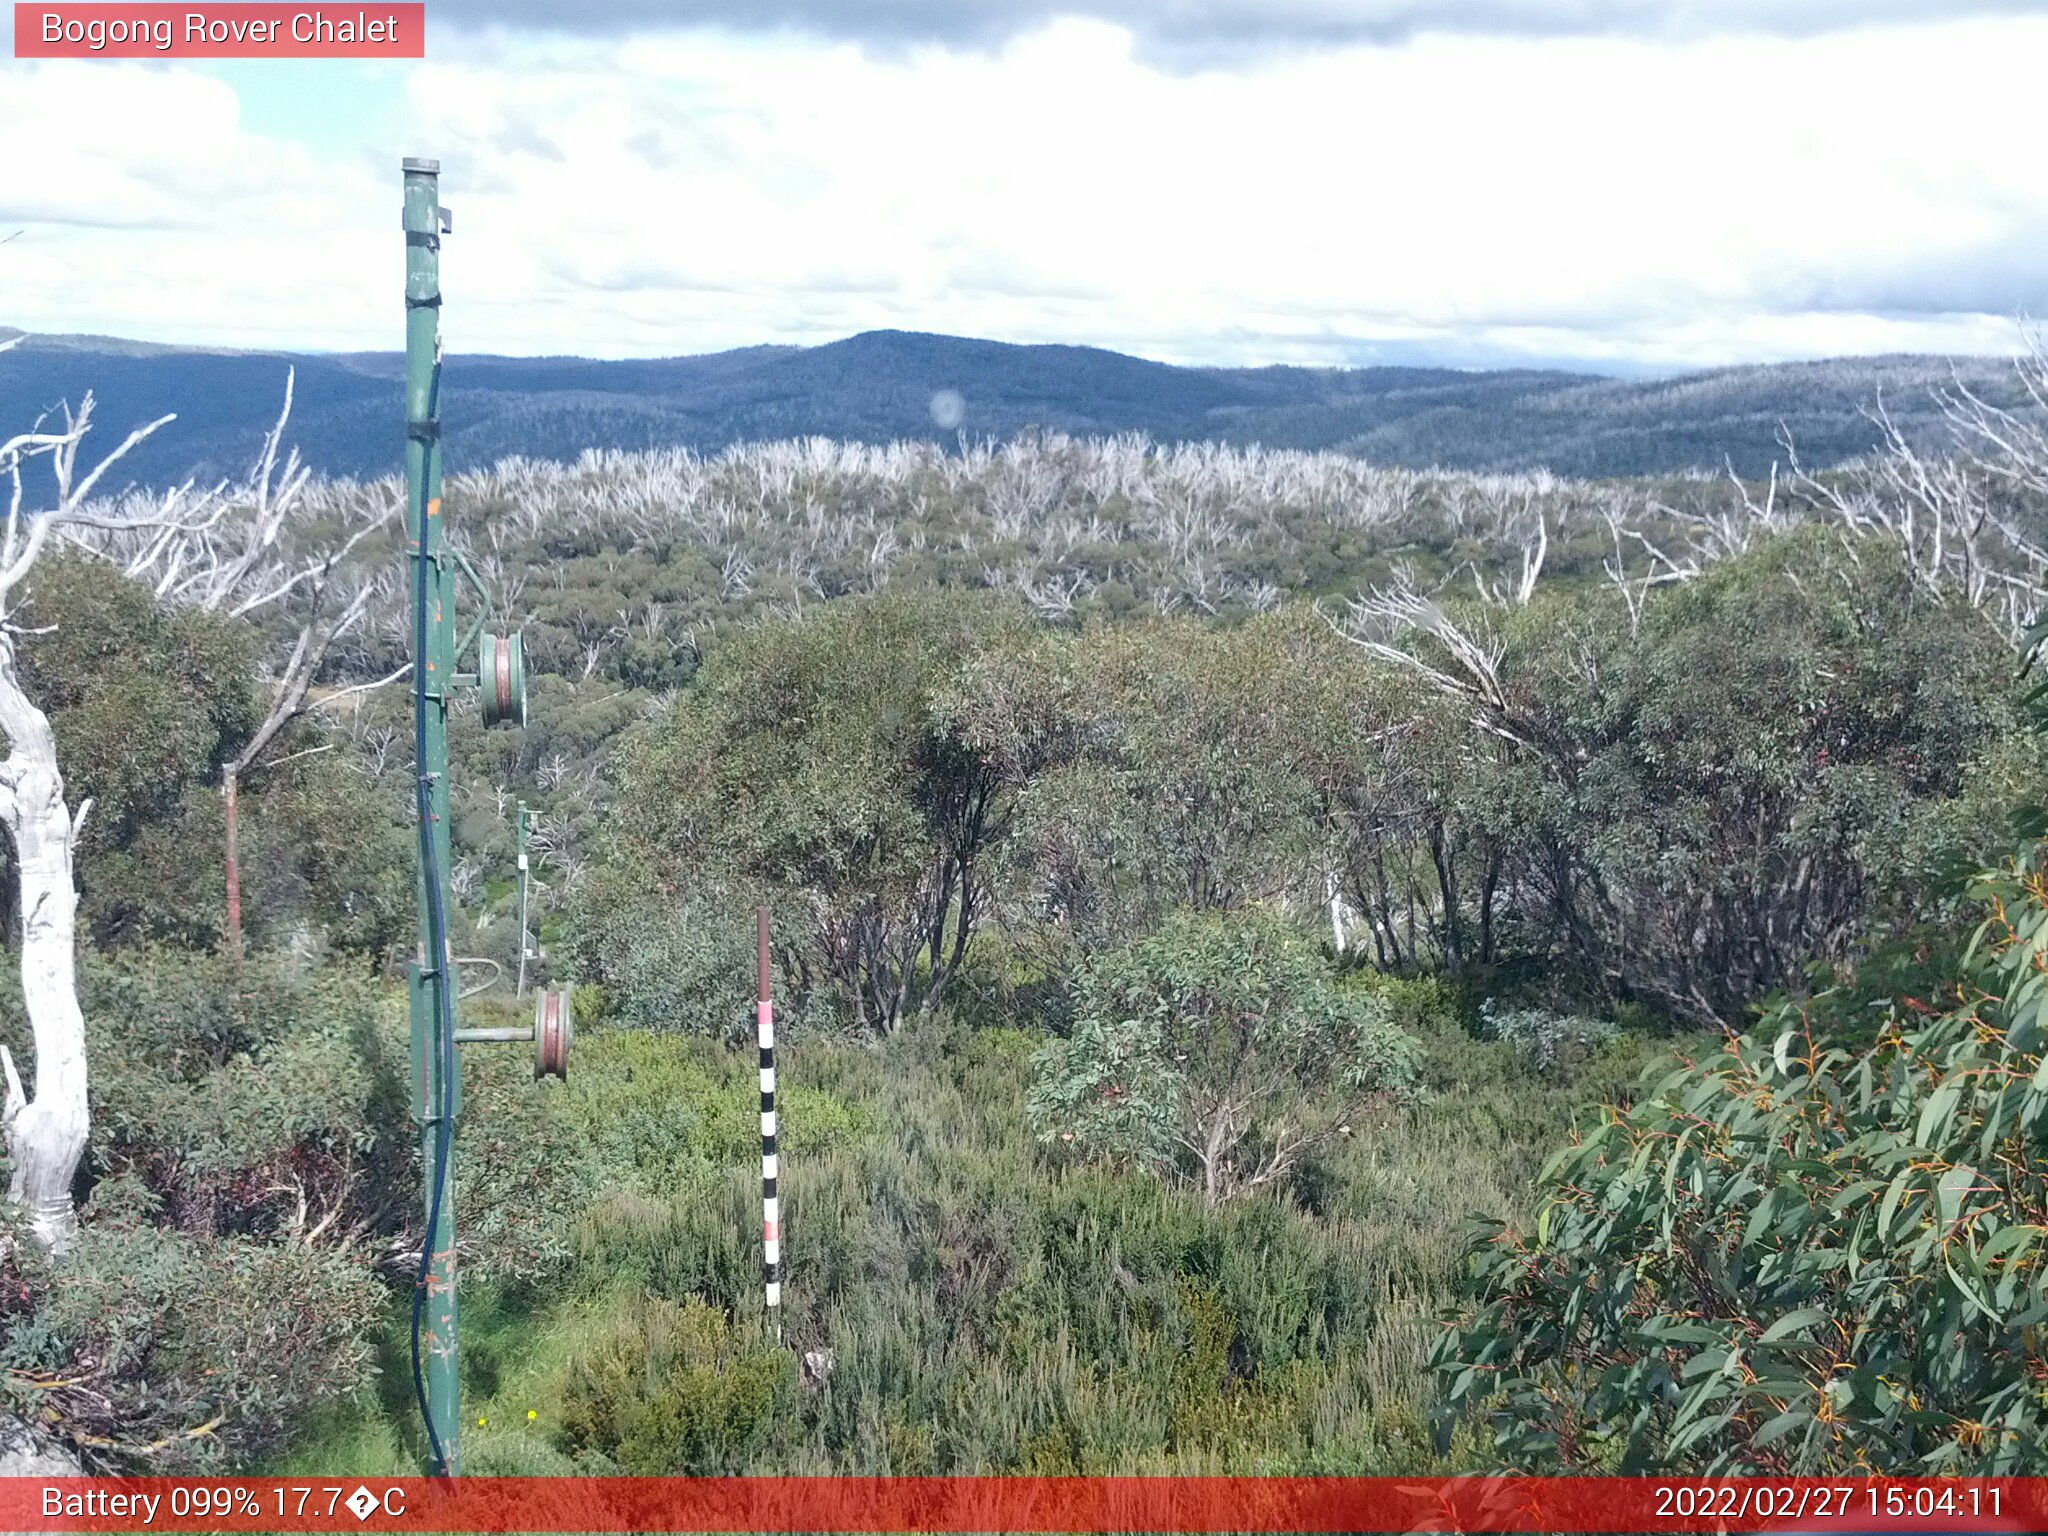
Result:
{"points": [[771, 1208]]}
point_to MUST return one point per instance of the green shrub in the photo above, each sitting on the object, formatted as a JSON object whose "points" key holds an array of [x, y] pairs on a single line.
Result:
{"points": [[1219, 1047], [248, 1099], [147, 702], [149, 1349], [1833, 1256], [670, 1390], [253, 1161], [1166, 764], [324, 848], [589, 1006], [1551, 1042], [524, 1170], [810, 765], [677, 964], [654, 1113], [1416, 1005]]}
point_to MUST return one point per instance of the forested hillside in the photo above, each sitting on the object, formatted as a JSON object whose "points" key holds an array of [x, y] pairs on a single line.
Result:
{"points": [[1289, 963], [885, 386]]}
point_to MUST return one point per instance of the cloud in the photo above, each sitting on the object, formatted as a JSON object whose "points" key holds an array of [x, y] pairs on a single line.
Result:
{"points": [[151, 212], [1208, 32], [1598, 197], [1618, 200], [2001, 274]]}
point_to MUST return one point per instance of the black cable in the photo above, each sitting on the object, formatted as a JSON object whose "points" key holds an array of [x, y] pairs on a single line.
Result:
{"points": [[437, 935]]}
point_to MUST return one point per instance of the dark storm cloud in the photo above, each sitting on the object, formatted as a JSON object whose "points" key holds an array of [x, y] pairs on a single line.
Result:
{"points": [[2001, 274], [1209, 31], [2005, 283]]}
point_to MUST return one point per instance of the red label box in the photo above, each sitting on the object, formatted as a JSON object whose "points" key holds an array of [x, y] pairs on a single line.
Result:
{"points": [[364, 29], [957, 1506]]}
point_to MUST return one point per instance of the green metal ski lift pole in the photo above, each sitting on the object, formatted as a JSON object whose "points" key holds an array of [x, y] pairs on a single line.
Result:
{"points": [[500, 679], [436, 1079]]}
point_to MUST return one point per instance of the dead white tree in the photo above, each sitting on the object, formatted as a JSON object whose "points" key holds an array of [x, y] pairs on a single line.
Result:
{"points": [[1635, 590], [1533, 550], [1964, 519], [1465, 666], [46, 1131]]}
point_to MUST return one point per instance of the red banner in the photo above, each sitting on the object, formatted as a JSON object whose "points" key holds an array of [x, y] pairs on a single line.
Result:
{"points": [[367, 29], [1033, 1504]]}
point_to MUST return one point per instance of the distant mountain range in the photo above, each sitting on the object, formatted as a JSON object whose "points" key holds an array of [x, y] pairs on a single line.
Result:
{"points": [[883, 385]]}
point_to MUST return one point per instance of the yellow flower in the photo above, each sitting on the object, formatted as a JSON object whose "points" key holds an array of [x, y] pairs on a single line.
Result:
{"points": [[532, 1414], [480, 1423]]}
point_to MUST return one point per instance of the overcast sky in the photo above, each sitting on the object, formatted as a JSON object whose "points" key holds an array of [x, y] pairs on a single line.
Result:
{"points": [[1623, 184]]}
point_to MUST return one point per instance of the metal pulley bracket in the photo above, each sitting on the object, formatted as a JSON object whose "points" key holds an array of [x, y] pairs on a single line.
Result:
{"points": [[487, 983]]}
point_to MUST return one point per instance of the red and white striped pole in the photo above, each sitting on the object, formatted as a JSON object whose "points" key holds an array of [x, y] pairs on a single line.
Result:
{"points": [[771, 1210]]}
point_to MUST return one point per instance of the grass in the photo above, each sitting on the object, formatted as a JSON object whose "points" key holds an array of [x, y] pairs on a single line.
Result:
{"points": [[986, 1305]]}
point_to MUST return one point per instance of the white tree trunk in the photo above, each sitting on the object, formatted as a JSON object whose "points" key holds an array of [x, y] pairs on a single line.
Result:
{"points": [[46, 1135]]}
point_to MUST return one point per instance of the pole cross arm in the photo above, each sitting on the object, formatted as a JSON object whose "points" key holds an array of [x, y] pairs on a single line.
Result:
{"points": [[483, 598]]}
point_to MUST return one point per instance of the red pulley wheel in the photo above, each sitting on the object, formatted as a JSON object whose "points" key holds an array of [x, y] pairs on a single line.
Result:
{"points": [[501, 678], [552, 1032], [502, 683]]}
